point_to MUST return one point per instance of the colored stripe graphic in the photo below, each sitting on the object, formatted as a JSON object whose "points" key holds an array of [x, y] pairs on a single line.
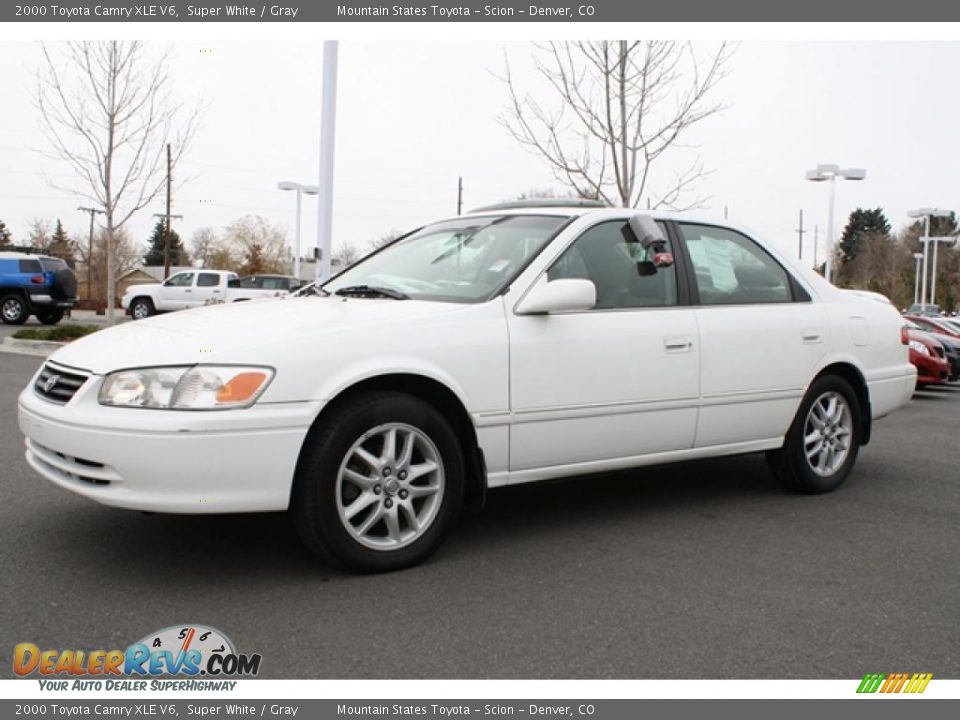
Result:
{"points": [[894, 683]]}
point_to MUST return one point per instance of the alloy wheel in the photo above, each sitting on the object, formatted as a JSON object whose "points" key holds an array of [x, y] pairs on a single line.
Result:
{"points": [[828, 433], [390, 486]]}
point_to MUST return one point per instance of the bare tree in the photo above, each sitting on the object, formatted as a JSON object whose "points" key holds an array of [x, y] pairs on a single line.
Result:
{"points": [[617, 107], [385, 239], [255, 242], [345, 255], [204, 245], [108, 111]]}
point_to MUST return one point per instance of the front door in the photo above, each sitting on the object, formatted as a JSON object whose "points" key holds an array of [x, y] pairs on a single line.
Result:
{"points": [[176, 291], [618, 381]]}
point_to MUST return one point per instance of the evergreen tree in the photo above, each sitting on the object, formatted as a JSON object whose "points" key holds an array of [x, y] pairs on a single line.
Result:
{"points": [[60, 245], [6, 237], [154, 256], [862, 223]]}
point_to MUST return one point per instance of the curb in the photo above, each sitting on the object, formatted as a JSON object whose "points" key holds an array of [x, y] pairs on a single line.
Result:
{"points": [[30, 347]]}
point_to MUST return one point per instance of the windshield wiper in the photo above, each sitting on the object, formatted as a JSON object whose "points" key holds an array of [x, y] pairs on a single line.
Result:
{"points": [[371, 291]]}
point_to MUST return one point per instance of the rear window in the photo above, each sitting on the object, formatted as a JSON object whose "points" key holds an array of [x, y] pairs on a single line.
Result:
{"points": [[51, 264], [30, 265]]}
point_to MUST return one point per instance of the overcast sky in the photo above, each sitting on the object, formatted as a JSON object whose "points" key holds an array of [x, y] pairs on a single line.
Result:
{"points": [[412, 116]]}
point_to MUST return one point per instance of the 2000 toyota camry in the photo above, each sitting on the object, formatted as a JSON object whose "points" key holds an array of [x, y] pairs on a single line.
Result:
{"points": [[501, 347]]}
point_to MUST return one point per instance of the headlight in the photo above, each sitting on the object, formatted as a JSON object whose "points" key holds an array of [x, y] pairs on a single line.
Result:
{"points": [[919, 347], [197, 387]]}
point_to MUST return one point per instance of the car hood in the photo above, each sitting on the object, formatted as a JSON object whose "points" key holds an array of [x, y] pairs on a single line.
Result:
{"points": [[244, 333], [141, 288]]}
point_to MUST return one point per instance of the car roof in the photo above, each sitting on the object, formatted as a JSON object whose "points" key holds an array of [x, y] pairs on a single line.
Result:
{"points": [[17, 255]]}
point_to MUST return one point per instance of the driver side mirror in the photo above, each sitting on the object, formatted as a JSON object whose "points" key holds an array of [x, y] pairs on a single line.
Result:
{"points": [[566, 295]]}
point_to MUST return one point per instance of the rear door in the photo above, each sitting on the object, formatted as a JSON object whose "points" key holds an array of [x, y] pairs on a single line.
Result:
{"points": [[209, 287], [761, 337]]}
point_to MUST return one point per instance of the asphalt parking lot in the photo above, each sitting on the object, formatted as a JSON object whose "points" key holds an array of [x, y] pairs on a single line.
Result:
{"points": [[699, 570]]}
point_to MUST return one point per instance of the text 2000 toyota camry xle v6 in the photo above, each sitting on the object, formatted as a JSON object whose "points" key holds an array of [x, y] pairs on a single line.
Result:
{"points": [[501, 347]]}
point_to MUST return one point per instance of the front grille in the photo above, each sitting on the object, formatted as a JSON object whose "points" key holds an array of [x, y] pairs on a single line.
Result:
{"points": [[58, 385]]}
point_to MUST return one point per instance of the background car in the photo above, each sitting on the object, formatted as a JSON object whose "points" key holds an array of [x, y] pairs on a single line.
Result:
{"points": [[938, 325], [928, 355], [35, 285], [256, 287], [924, 309]]}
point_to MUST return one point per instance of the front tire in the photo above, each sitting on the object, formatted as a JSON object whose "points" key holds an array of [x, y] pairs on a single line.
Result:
{"points": [[379, 484], [13, 310], [141, 308], [821, 446]]}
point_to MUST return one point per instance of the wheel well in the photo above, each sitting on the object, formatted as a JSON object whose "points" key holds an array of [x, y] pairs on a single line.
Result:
{"points": [[853, 376], [447, 403]]}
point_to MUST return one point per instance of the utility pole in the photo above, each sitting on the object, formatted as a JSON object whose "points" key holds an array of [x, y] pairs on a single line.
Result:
{"points": [[460, 195], [800, 232], [92, 211], [167, 238]]}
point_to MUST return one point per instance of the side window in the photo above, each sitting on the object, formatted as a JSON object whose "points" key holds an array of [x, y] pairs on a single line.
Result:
{"points": [[731, 269], [180, 280], [30, 266], [609, 255], [208, 280]]}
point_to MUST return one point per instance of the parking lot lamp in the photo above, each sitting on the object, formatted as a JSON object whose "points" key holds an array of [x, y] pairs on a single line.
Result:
{"points": [[300, 190], [926, 214], [824, 173], [916, 278]]}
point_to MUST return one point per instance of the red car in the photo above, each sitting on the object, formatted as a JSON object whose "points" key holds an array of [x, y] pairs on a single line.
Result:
{"points": [[930, 359], [934, 325]]}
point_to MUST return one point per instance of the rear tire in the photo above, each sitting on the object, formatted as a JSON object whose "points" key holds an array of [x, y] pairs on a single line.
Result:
{"points": [[821, 445], [141, 308], [372, 504], [13, 310], [49, 317]]}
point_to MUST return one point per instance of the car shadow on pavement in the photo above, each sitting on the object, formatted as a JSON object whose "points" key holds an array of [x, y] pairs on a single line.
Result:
{"points": [[144, 547]]}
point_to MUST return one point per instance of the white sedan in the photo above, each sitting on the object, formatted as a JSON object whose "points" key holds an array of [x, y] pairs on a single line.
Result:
{"points": [[506, 346]]}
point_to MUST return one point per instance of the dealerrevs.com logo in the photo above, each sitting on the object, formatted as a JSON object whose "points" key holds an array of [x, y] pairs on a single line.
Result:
{"points": [[180, 651]]}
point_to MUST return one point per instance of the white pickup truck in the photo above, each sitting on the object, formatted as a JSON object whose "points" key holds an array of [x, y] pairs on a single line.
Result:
{"points": [[194, 288]]}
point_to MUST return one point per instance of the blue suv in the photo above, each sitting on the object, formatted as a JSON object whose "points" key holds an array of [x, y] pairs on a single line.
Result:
{"points": [[35, 285]]}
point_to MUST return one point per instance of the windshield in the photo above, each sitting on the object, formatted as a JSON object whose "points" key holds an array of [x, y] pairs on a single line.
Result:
{"points": [[463, 260]]}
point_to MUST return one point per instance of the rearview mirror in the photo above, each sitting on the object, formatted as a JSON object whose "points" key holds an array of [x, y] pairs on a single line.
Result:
{"points": [[567, 295]]}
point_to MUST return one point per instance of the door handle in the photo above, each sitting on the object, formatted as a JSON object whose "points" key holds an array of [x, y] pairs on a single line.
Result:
{"points": [[679, 343], [188, 290], [811, 336]]}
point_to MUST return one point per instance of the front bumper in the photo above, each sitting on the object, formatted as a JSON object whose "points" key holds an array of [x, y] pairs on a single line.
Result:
{"points": [[166, 461], [930, 370]]}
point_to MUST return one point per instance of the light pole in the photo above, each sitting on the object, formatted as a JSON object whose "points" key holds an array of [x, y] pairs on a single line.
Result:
{"points": [[926, 214], [328, 129], [933, 281], [831, 173], [916, 278], [301, 190]]}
